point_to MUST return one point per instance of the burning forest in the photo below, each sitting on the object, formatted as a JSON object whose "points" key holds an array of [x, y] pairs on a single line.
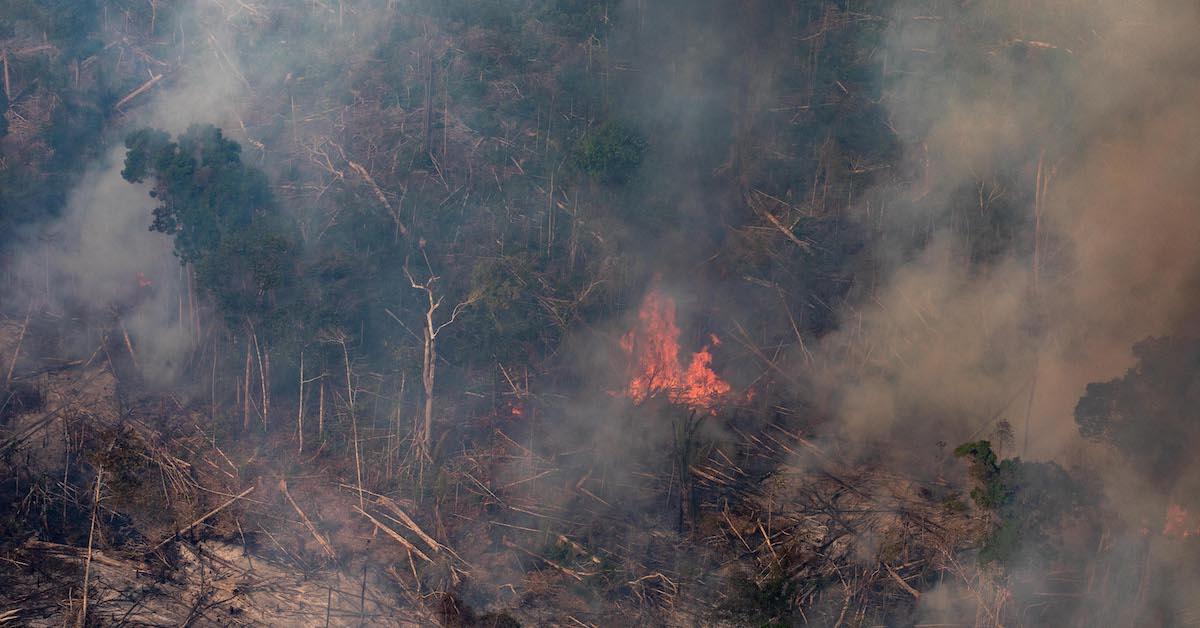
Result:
{"points": [[595, 313], [655, 366]]}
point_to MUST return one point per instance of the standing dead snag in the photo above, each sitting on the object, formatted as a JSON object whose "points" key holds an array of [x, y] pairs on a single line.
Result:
{"points": [[427, 119], [12, 364], [7, 84], [1041, 184], [339, 337], [431, 330], [246, 393], [264, 372], [686, 446], [302, 407], [87, 566]]}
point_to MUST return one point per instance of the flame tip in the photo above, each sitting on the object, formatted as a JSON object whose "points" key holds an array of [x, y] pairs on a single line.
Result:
{"points": [[653, 347]]}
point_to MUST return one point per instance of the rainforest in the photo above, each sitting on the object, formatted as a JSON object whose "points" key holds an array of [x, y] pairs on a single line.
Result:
{"points": [[502, 313]]}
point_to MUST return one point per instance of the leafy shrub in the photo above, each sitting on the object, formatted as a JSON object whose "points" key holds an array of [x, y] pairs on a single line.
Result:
{"points": [[612, 153]]}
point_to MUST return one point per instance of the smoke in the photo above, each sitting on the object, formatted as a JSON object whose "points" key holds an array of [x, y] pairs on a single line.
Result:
{"points": [[938, 347], [1040, 224], [1067, 132], [1057, 125], [99, 256]]}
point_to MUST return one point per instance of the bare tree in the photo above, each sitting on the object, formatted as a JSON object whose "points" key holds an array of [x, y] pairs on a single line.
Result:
{"points": [[431, 329], [338, 337]]}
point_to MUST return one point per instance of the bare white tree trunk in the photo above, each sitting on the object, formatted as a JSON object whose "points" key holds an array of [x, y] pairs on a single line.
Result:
{"points": [[431, 329], [321, 410], [300, 408], [246, 391]]}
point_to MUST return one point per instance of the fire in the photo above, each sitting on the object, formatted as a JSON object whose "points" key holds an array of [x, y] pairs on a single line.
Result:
{"points": [[653, 348], [1176, 525]]}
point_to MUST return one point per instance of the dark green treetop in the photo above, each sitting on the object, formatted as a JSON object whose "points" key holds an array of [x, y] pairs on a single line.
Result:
{"points": [[612, 153], [1029, 500], [1149, 414], [220, 212]]}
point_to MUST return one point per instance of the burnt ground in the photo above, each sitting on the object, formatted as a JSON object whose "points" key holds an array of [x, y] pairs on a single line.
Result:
{"points": [[199, 522]]}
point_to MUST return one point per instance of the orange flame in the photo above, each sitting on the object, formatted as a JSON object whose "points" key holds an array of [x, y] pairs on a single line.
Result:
{"points": [[1176, 525], [653, 348]]}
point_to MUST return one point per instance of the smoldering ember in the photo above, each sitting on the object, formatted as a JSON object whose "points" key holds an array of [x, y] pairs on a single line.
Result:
{"points": [[500, 313]]}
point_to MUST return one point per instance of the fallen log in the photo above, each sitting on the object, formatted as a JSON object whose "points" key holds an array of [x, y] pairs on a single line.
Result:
{"points": [[900, 581], [206, 516], [33, 428], [409, 523], [307, 522], [145, 87], [395, 535]]}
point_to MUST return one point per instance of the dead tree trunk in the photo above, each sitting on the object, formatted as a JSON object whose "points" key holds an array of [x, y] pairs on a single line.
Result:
{"points": [[350, 402], [246, 392], [321, 410], [7, 84], [1041, 185], [428, 371], [685, 452], [430, 330], [87, 567], [300, 407], [12, 364], [427, 120]]}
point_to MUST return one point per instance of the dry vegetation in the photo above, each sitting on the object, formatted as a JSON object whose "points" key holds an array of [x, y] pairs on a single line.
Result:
{"points": [[408, 382], [194, 528]]}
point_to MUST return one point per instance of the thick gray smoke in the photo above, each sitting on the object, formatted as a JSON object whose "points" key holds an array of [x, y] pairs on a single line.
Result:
{"points": [[1078, 119], [1070, 125], [1091, 105], [99, 255]]}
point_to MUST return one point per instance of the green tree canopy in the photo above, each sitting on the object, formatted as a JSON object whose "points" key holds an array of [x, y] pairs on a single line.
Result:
{"points": [[221, 213], [1149, 414], [1029, 500], [612, 153]]}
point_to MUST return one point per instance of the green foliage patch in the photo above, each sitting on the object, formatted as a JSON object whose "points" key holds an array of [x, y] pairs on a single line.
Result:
{"points": [[611, 153], [1029, 500], [1148, 414]]}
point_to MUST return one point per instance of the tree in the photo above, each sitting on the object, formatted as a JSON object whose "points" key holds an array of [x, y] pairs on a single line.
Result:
{"points": [[431, 328], [205, 193], [226, 225], [1029, 501], [220, 212], [612, 153], [1148, 414]]}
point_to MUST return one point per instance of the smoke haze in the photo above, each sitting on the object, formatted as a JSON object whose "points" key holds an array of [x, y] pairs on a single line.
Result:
{"points": [[1078, 120], [1005, 206], [1090, 103]]}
